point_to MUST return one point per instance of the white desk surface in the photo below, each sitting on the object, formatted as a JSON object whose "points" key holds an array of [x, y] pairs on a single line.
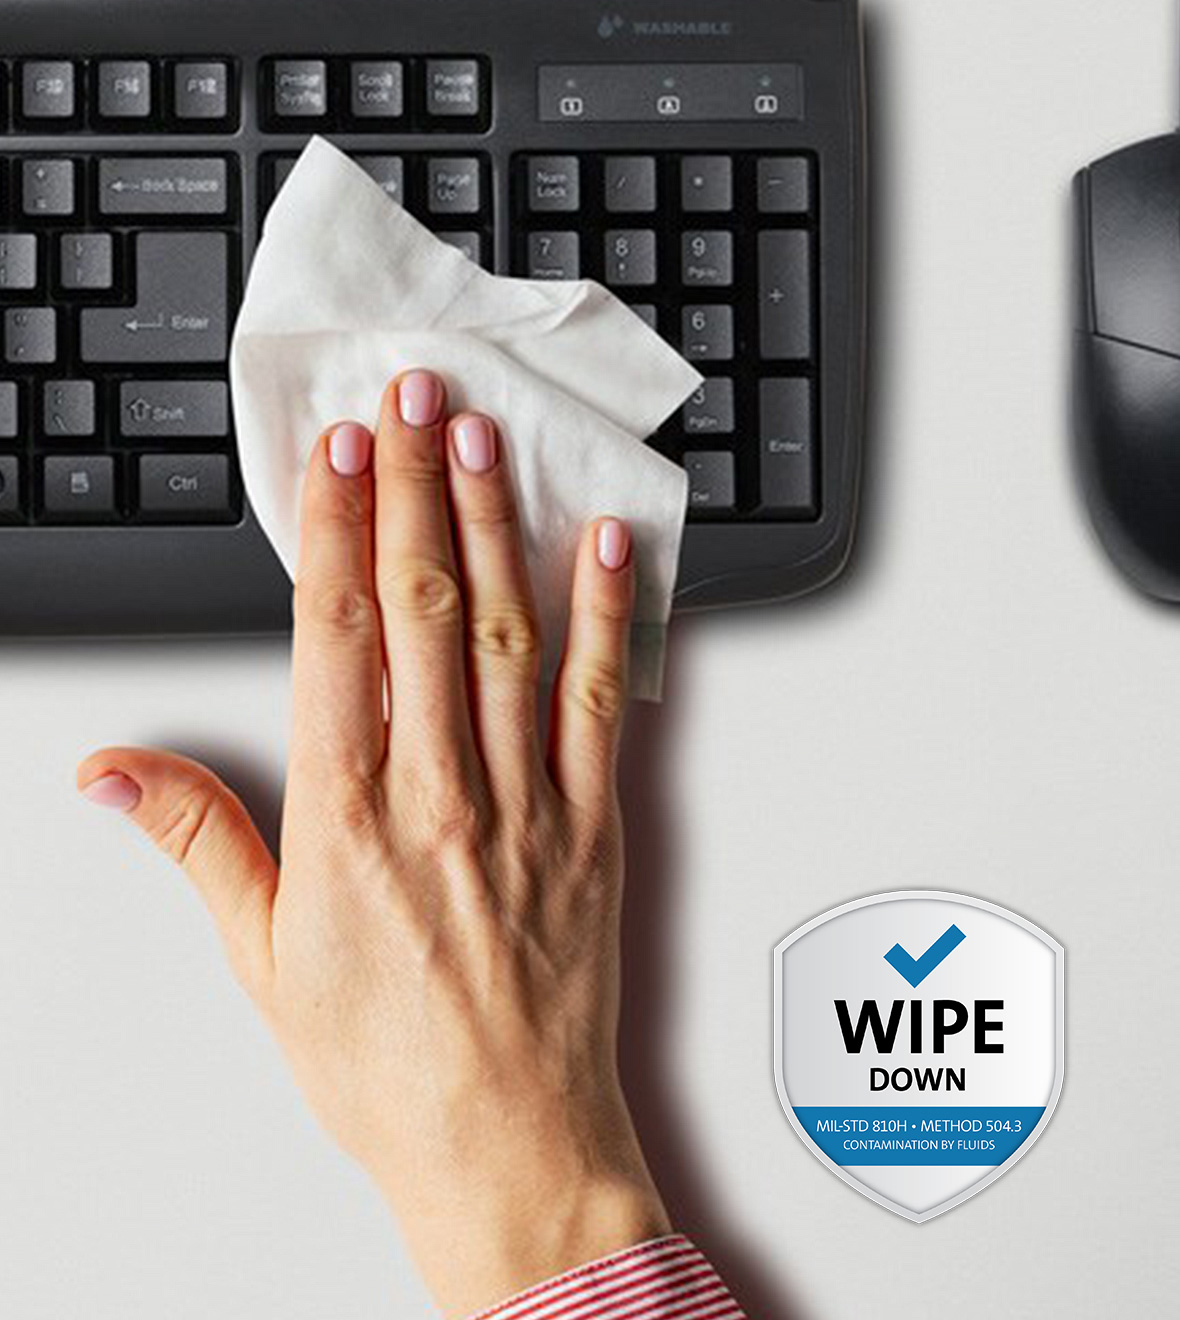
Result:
{"points": [[982, 706]]}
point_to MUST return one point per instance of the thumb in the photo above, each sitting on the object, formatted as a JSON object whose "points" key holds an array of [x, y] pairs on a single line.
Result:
{"points": [[194, 818]]}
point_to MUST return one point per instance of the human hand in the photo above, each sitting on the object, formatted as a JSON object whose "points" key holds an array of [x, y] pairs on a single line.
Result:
{"points": [[438, 952]]}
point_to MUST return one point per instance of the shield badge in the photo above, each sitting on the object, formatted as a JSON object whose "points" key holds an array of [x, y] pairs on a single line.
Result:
{"points": [[919, 1046]]}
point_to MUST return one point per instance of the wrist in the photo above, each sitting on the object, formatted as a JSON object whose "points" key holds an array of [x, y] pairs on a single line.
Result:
{"points": [[492, 1251]]}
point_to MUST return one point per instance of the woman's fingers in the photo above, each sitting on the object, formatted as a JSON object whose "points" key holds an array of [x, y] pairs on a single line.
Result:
{"points": [[201, 825], [591, 692], [502, 629], [418, 587], [339, 724]]}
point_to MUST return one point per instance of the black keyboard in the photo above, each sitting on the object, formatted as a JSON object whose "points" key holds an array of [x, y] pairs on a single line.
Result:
{"points": [[705, 162]]}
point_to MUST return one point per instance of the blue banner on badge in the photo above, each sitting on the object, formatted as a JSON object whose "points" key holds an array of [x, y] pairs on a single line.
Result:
{"points": [[918, 1136], [919, 1044]]}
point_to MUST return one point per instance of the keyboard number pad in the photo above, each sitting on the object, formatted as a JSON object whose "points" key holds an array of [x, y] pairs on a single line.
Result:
{"points": [[119, 278], [720, 254]]}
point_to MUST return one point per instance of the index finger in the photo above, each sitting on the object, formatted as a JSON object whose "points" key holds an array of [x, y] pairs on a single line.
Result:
{"points": [[339, 721]]}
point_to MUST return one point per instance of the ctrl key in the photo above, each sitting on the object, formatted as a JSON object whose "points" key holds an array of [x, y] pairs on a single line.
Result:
{"points": [[185, 487], [79, 489]]}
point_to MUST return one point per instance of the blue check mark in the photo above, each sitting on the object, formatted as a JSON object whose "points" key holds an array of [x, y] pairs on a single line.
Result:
{"points": [[916, 970]]}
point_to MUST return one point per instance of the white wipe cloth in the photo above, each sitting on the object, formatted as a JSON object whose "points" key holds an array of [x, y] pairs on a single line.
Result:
{"points": [[347, 289]]}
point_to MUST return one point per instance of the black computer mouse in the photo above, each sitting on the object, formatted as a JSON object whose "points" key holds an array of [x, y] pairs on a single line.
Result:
{"points": [[1127, 358]]}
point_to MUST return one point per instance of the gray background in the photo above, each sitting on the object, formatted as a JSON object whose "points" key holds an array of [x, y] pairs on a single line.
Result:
{"points": [[982, 706]]}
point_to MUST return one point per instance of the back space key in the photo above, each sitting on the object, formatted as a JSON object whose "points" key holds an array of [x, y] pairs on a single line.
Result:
{"points": [[183, 310], [163, 185]]}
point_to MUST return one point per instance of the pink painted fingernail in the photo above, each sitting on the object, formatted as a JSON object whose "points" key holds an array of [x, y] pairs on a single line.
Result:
{"points": [[349, 449], [420, 398], [117, 791], [614, 544], [475, 443]]}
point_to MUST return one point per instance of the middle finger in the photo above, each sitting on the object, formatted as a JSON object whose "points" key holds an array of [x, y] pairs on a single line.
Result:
{"points": [[417, 582]]}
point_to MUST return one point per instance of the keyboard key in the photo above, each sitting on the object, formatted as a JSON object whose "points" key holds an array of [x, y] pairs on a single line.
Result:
{"points": [[377, 89], [86, 262], [788, 450], [710, 410], [79, 489], [648, 314], [707, 258], [706, 183], [30, 336], [10, 506], [183, 310], [185, 486], [453, 89], [174, 409], [299, 89], [630, 184], [784, 293], [48, 90], [454, 185], [200, 90], [124, 89], [470, 244], [630, 256], [554, 256], [784, 185], [711, 483], [18, 262], [388, 171], [9, 411], [708, 333], [48, 188], [163, 185], [554, 183], [281, 171], [68, 409]]}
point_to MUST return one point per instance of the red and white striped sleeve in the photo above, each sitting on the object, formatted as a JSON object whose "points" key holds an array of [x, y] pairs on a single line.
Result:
{"points": [[668, 1279]]}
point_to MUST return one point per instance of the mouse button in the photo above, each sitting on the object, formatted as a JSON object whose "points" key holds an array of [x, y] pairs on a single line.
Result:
{"points": [[1135, 244], [1129, 435], [1083, 269]]}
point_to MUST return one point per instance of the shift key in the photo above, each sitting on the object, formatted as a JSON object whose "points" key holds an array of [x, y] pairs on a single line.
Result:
{"points": [[174, 409], [182, 312], [162, 185]]}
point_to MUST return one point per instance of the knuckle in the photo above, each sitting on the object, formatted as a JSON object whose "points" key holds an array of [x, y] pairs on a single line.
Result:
{"points": [[598, 688], [355, 807], [178, 830], [612, 608], [507, 632], [417, 467], [495, 512], [416, 457], [445, 808], [426, 591], [337, 607], [340, 506], [454, 821]]}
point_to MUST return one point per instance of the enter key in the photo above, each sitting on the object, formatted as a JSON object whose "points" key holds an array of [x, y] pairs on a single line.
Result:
{"points": [[183, 310]]}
